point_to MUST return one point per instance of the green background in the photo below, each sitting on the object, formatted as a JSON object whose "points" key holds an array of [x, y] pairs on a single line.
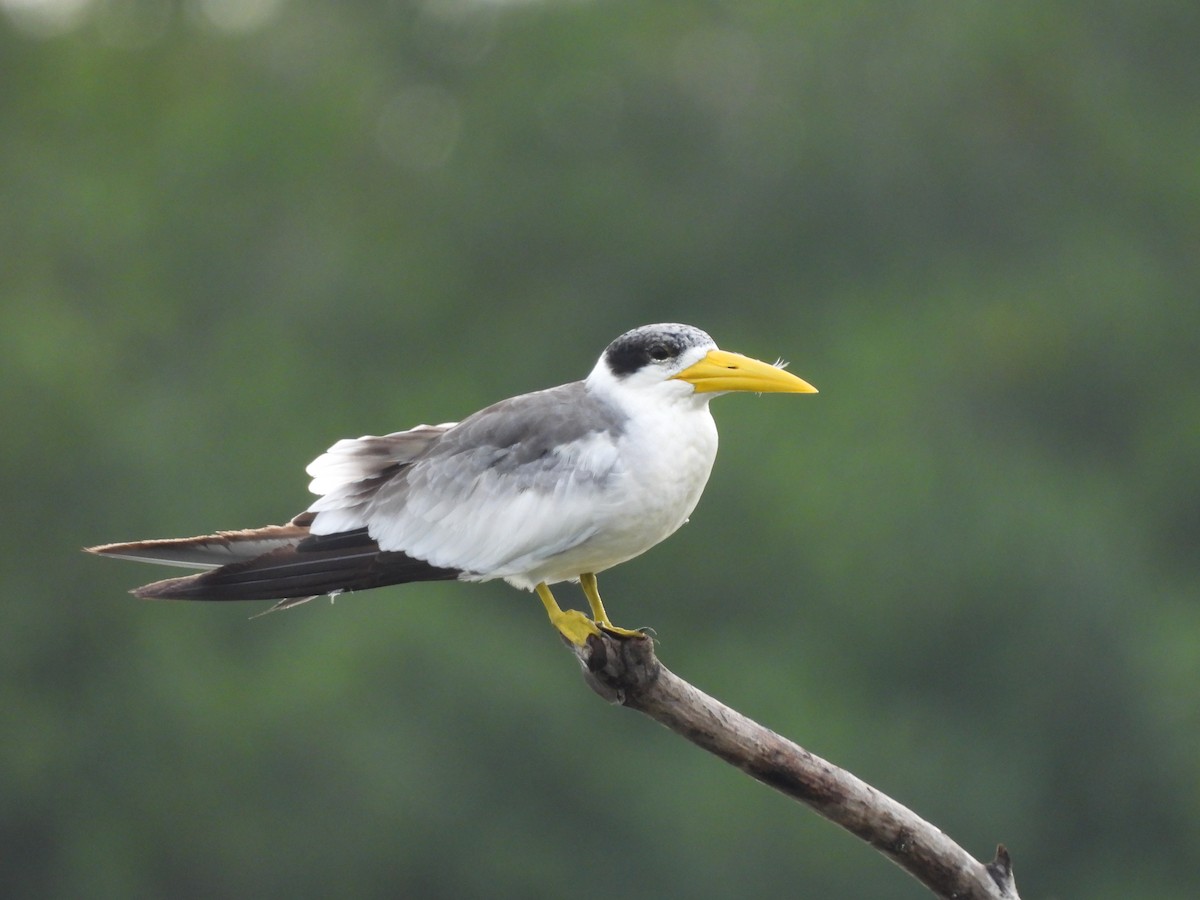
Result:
{"points": [[967, 571]]}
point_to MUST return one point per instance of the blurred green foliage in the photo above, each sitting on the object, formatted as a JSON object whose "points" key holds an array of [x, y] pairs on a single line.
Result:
{"points": [[234, 233]]}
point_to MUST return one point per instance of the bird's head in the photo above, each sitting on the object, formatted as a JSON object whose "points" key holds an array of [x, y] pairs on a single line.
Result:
{"points": [[671, 354]]}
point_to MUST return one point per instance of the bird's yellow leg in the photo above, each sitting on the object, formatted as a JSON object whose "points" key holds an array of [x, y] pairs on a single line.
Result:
{"points": [[571, 623], [590, 590]]}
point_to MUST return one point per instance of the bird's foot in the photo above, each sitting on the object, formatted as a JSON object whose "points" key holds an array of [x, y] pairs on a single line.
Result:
{"points": [[574, 626], [588, 582], [617, 631]]}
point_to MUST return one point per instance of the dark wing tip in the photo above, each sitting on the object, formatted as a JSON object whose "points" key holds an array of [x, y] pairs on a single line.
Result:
{"points": [[167, 589]]}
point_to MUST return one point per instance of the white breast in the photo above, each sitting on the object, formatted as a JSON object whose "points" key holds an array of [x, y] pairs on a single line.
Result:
{"points": [[665, 454]]}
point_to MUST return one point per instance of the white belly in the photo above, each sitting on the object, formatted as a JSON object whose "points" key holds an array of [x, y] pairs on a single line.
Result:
{"points": [[665, 461]]}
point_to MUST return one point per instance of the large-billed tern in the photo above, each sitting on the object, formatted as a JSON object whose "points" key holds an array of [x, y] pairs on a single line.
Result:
{"points": [[557, 485]]}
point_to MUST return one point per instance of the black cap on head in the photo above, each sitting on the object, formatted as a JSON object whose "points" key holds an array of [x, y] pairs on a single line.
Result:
{"points": [[636, 349]]}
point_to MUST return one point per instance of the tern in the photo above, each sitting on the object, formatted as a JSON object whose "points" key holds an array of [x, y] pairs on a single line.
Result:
{"points": [[557, 485]]}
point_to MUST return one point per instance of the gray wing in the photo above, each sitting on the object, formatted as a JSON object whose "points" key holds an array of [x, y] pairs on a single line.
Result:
{"points": [[509, 486]]}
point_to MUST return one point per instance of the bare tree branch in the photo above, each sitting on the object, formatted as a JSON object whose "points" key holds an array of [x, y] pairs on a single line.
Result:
{"points": [[627, 672]]}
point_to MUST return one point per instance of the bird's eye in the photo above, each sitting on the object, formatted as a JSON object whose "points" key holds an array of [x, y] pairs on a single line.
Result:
{"points": [[659, 352]]}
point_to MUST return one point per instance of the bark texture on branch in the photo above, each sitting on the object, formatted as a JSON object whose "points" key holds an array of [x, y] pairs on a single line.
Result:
{"points": [[627, 672]]}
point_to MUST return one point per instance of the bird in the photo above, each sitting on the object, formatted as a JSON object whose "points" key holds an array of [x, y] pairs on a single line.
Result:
{"points": [[553, 486]]}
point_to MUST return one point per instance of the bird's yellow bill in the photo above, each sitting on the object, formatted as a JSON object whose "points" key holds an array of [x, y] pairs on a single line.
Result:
{"points": [[721, 370]]}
